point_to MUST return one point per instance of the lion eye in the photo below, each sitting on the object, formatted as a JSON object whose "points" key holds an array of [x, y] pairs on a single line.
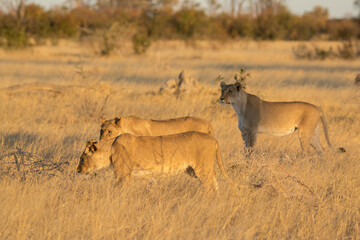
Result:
{"points": [[109, 132]]}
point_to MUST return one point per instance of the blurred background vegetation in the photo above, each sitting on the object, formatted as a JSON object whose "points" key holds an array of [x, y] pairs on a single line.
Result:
{"points": [[24, 24]]}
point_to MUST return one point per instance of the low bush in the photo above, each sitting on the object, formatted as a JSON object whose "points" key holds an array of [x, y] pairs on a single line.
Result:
{"points": [[347, 50], [343, 30], [189, 22], [141, 42]]}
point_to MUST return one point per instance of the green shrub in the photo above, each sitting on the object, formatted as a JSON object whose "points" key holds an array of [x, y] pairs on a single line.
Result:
{"points": [[63, 25], [157, 24], [274, 22], [36, 21], [241, 26], [188, 22], [15, 37], [271, 20], [347, 50], [302, 29], [109, 37], [216, 30], [86, 17], [12, 32], [141, 42], [343, 30]]}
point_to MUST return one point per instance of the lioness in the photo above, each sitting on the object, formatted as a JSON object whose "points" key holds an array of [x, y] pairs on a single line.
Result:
{"points": [[148, 127], [137, 155], [275, 118], [95, 156]]}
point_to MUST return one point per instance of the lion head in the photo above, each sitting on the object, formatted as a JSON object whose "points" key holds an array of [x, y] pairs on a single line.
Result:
{"points": [[229, 92], [95, 156], [110, 128]]}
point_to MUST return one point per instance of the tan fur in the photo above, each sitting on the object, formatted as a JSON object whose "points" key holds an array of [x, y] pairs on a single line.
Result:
{"points": [[162, 155], [95, 156], [276, 118], [148, 127]]}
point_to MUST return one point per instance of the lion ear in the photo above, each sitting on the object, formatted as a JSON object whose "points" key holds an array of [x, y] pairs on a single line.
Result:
{"points": [[223, 85], [90, 145], [103, 120], [117, 121], [237, 85]]}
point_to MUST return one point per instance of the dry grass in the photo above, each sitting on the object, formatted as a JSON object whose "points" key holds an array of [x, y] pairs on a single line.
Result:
{"points": [[51, 129]]}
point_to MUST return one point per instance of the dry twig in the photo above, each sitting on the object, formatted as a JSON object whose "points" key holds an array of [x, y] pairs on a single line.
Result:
{"points": [[26, 163], [298, 181]]}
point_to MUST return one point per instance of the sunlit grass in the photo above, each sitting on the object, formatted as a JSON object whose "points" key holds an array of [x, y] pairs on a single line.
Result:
{"points": [[56, 126]]}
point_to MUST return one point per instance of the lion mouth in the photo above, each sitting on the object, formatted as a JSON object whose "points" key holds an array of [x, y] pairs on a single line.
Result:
{"points": [[222, 102], [84, 172]]}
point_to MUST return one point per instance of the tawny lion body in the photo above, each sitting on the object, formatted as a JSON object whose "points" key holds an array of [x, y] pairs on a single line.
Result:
{"points": [[275, 118], [162, 155], [148, 127]]}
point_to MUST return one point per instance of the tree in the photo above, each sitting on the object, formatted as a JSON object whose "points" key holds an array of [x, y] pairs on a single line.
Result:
{"points": [[232, 6], [15, 8], [268, 6], [167, 3], [240, 6], [213, 7], [357, 6], [237, 4], [318, 18]]}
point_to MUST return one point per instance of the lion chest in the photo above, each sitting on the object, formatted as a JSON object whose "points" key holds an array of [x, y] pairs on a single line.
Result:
{"points": [[241, 122]]}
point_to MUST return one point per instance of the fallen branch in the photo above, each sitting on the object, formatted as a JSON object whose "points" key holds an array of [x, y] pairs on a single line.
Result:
{"points": [[33, 87], [294, 178], [26, 163], [298, 181], [46, 87]]}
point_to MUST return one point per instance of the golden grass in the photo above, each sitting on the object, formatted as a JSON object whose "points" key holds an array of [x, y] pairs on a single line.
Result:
{"points": [[55, 127]]}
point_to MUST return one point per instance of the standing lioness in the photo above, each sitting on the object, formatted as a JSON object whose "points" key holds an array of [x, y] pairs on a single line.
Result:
{"points": [[148, 127], [131, 155], [275, 118]]}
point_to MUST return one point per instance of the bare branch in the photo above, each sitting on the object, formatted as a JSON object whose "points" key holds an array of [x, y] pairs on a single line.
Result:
{"points": [[14, 7]]}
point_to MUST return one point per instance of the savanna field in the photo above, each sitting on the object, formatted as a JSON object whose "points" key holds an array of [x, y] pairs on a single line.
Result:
{"points": [[51, 101]]}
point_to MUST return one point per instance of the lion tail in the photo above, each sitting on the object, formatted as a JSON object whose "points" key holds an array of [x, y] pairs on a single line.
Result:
{"points": [[221, 166], [324, 123]]}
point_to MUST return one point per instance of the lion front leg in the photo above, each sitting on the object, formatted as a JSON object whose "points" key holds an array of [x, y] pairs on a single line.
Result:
{"points": [[249, 138], [123, 173], [123, 176], [122, 166]]}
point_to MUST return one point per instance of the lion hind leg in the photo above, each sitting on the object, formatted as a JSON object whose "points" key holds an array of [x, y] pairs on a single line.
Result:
{"points": [[208, 180], [315, 141], [306, 132], [305, 138], [211, 184]]}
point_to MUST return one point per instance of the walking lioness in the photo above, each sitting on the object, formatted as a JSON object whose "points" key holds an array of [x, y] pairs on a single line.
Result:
{"points": [[148, 127], [138, 155], [275, 118]]}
